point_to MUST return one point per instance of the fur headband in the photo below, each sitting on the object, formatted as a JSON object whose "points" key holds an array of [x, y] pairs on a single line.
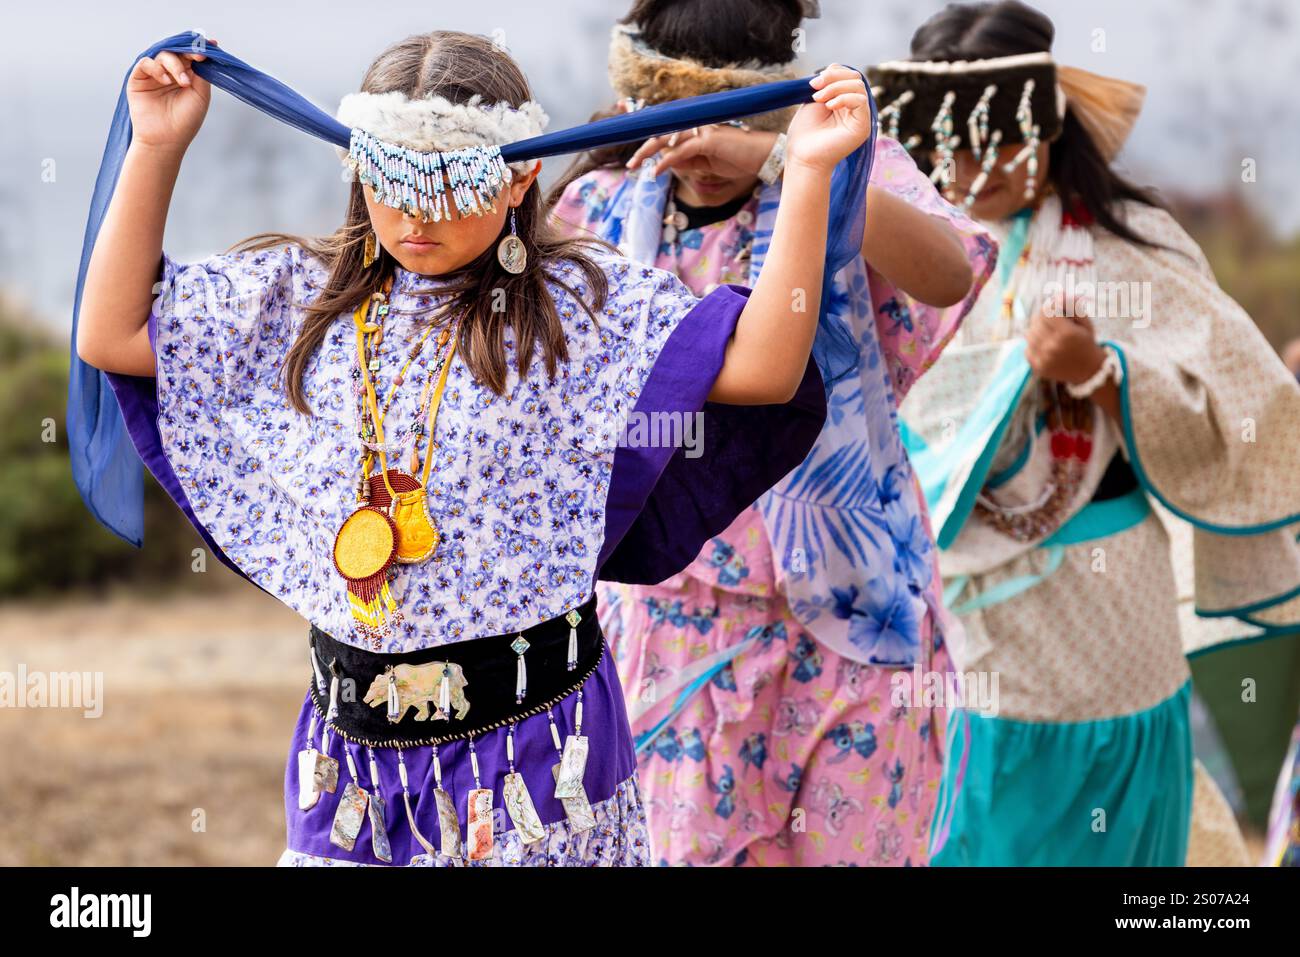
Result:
{"points": [[642, 74], [435, 123]]}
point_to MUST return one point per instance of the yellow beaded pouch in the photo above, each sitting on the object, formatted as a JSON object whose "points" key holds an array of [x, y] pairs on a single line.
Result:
{"points": [[408, 506], [416, 536]]}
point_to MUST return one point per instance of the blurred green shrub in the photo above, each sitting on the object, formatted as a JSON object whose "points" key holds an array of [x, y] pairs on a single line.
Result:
{"points": [[1254, 267], [48, 539]]}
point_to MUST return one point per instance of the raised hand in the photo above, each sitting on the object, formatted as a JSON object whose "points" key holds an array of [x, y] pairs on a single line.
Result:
{"points": [[1060, 347], [836, 123], [167, 100]]}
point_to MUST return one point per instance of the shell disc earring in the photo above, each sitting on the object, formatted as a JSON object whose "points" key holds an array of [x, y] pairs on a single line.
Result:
{"points": [[511, 252]]}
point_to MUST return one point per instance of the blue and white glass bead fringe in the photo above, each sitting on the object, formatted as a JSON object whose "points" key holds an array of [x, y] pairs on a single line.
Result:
{"points": [[413, 181]]}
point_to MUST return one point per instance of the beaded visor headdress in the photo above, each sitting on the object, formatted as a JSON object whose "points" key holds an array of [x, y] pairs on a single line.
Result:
{"points": [[986, 106], [423, 155], [936, 108]]}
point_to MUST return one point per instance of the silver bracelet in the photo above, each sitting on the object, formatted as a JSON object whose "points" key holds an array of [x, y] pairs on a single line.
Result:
{"points": [[1110, 370], [775, 162]]}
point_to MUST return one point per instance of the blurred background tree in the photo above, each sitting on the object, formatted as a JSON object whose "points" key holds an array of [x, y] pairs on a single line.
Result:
{"points": [[49, 542], [1253, 265]]}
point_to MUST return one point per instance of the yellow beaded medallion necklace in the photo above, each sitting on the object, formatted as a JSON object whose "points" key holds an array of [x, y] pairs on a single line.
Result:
{"points": [[391, 523]]}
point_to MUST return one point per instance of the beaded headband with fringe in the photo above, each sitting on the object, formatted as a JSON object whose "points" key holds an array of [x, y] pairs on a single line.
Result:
{"points": [[423, 155], [995, 103], [1018, 100]]}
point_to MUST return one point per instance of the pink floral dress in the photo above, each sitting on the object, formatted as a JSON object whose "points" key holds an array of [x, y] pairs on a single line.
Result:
{"points": [[760, 744]]}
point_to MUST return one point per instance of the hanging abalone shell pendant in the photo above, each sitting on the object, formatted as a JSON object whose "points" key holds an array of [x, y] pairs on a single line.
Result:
{"points": [[522, 811], [349, 816], [573, 763], [448, 824], [512, 254], [308, 787], [577, 809], [378, 811], [479, 825]]}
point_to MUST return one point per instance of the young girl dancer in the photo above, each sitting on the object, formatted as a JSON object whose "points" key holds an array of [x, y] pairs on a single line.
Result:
{"points": [[759, 680], [406, 431], [1103, 371]]}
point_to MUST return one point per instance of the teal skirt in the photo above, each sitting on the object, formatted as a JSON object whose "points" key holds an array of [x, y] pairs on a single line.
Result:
{"points": [[1110, 793]]}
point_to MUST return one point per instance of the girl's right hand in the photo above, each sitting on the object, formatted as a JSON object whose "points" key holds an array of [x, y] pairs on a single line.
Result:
{"points": [[167, 100]]}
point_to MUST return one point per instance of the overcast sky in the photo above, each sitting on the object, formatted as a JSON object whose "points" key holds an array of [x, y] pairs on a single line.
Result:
{"points": [[1222, 76]]}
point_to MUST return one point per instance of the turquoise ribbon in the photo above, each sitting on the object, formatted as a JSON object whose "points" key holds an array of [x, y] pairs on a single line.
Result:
{"points": [[1009, 589], [646, 739], [934, 467], [1014, 247], [1102, 519]]}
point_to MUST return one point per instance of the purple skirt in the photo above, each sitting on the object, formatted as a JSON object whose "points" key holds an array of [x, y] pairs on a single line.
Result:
{"points": [[619, 837]]}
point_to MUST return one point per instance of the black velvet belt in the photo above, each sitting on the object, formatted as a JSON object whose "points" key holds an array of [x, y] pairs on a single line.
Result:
{"points": [[475, 680]]}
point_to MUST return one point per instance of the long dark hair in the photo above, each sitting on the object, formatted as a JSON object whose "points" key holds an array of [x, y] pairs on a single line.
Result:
{"points": [[1076, 167], [716, 33], [456, 66]]}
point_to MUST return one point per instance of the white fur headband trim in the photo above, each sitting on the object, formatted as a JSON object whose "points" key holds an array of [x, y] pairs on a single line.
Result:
{"points": [[434, 123], [960, 67]]}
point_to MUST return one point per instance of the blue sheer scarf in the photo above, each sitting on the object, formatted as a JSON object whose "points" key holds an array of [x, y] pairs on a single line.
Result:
{"points": [[105, 466]]}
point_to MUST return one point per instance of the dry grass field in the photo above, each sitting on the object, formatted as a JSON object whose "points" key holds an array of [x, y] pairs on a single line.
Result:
{"points": [[199, 698]]}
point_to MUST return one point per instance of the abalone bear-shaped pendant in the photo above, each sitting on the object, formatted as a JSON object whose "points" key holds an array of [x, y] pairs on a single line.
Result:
{"points": [[438, 683]]}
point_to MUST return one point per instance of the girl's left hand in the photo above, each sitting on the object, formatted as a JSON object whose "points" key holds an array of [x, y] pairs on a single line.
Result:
{"points": [[720, 149], [836, 123], [1063, 348]]}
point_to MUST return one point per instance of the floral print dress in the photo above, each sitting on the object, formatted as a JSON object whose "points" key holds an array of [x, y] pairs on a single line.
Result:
{"points": [[759, 744]]}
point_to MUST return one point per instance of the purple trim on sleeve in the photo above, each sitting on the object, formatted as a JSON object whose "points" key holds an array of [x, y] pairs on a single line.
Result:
{"points": [[663, 507], [137, 397]]}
